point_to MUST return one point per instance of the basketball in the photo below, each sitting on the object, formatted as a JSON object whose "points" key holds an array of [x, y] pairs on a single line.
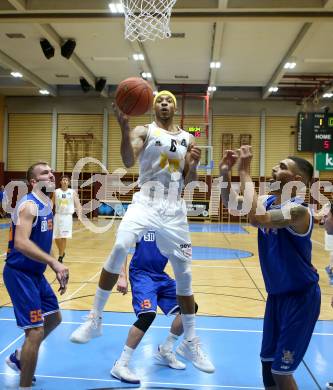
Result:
{"points": [[134, 96]]}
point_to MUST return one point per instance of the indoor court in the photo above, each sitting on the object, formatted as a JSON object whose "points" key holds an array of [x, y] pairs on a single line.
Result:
{"points": [[244, 72]]}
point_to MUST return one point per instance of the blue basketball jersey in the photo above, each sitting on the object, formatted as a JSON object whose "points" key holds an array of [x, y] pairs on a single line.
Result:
{"points": [[285, 257], [41, 235], [147, 256]]}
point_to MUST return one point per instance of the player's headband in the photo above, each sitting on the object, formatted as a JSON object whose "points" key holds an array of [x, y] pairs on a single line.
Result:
{"points": [[173, 97]]}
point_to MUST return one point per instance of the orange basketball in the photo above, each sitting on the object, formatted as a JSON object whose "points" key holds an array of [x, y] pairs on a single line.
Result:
{"points": [[134, 96]]}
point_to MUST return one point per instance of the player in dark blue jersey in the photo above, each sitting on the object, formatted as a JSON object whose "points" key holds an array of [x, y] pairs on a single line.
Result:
{"points": [[284, 240], [151, 287], [35, 304]]}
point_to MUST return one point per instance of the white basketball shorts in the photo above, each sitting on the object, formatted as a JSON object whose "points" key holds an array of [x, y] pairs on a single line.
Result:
{"points": [[167, 219], [63, 226]]}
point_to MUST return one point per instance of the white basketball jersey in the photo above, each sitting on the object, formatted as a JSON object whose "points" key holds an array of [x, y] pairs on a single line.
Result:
{"points": [[64, 201], [163, 156]]}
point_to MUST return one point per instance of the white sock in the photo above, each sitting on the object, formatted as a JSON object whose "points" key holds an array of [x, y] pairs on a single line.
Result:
{"points": [[100, 300], [189, 326], [126, 355], [18, 354], [25, 388], [170, 342]]}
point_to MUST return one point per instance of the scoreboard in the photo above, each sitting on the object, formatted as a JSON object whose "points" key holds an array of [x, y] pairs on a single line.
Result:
{"points": [[315, 132], [195, 131]]}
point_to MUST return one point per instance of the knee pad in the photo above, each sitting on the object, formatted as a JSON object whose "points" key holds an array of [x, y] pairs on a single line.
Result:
{"points": [[267, 375], [144, 321]]}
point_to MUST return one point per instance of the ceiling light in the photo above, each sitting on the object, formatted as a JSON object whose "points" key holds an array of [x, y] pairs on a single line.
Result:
{"points": [[155, 93], [17, 74], [328, 95], [211, 88], [146, 75], [289, 65], [138, 57], [116, 8], [215, 65], [44, 92], [273, 89]]}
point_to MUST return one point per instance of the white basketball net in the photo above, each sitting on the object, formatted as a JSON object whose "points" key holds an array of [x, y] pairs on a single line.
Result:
{"points": [[147, 19]]}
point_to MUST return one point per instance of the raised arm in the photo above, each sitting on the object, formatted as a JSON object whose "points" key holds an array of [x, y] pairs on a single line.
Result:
{"points": [[294, 215], [228, 161], [192, 160], [131, 141], [24, 245]]}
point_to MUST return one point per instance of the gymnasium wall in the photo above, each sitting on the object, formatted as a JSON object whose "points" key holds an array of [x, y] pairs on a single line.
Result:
{"points": [[2, 111], [29, 140], [30, 128], [79, 124]]}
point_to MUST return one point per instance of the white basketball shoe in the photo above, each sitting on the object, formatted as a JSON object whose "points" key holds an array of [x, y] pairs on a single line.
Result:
{"points": [[121, 371], [90, 329], [168, 358], [192, 351]]}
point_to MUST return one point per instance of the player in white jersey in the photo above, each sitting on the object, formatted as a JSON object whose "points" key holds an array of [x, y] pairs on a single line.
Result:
{"points": [[169, 158], [66, 203]]}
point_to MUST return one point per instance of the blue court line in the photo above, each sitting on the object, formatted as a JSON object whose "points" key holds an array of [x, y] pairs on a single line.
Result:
{"points": [[216, 228], [4, 225]]}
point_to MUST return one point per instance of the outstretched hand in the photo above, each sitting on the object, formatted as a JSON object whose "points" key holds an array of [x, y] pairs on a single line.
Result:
{"points": [[194, 155], [121, 118], [245, 158], [228, 161]]}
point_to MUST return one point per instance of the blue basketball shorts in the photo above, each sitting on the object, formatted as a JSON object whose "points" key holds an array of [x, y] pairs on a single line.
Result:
{"points": [[31, 295], [150, 291], [288, 326]]}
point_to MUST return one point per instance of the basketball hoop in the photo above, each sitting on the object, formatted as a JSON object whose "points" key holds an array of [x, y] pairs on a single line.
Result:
{"points": [[147, 19]]}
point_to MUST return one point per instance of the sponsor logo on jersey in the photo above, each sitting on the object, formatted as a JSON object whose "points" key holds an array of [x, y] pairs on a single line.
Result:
{"points": [[172, 164], [158, 143], [186, 250]]}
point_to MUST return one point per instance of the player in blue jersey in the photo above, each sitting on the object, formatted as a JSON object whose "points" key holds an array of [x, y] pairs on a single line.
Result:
{"points": [[284, 240], [35, 304], [151, 287]]}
